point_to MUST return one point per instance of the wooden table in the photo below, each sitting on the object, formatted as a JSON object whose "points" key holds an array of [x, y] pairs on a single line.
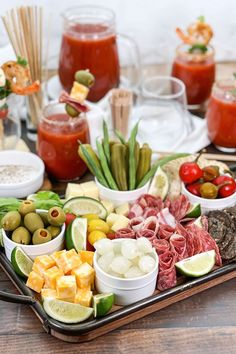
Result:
{"points": [[204, 323]]}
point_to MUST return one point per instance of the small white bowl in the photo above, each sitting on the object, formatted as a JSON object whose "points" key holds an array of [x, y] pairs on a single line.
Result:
{"points": [[120, 197], [210, 204], [34, 251], [20, 190], [126, 291]]}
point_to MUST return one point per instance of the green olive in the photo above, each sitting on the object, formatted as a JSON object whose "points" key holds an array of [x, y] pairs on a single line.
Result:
{"points": [[27, 206], [85, 78], [71, 111], [44, 216], [33, 222], [41, 236], [54, 230], [21, 235], [11, 220], [56, 216]]}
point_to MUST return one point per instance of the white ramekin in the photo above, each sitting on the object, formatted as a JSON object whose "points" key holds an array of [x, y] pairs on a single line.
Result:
{"points": [[210, 204], [20, 190], [34, 251], [120, 197], [126, 291]]}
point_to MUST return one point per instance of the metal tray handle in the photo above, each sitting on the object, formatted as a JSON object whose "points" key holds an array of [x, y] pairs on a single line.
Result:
{"points": [[17, 299]]}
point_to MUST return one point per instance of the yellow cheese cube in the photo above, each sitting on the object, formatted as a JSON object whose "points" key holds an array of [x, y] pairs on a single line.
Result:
{"points": [[83, 297], [79, 92], [68, 260], [66, 287], [51, 275], [42, 263], [48, 293], [84, 275], [87, 257], [72, 299], [35, 281]]}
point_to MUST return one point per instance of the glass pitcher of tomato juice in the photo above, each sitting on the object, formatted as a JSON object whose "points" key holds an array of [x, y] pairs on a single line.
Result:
{"points": [[89, 41]]}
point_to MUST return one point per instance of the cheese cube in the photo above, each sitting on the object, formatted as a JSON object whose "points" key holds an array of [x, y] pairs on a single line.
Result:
{"points": [[66, 287], [86, 257], [35, 282], [72, 299], [68, 260], [73, 190], [90, 189], [108, 205], [56, 255], [84, 275], [48, 293], [123, 209], [79, 92], [83, 297], [50, 277], [42, 263]]}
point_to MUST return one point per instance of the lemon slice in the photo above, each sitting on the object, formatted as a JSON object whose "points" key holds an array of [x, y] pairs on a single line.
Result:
{"points": [[76, 234], [21, 263], [66, 312], [197, 265], [160, 184], [102, 304]]}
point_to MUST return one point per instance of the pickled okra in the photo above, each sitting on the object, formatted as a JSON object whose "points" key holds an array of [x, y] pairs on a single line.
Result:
{"points": [[145, 155], [119, 165]]}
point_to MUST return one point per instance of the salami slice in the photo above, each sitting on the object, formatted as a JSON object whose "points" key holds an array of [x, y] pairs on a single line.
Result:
{"points": [[66, 98], [151, 223], [149, 212], [165, 217], [166, 260], [135, 210], [136, 223], [165, 231], [167, 279], [149, 234], [148, 200], [125, 233], [161, 246], [178, 207], [178, 246]]}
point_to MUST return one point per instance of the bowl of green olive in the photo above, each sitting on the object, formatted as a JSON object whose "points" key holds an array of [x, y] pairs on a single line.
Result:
{"points": [[37, 232]]}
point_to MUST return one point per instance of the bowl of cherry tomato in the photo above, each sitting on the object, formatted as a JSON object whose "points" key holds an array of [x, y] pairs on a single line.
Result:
{"points": [[207, 187]]}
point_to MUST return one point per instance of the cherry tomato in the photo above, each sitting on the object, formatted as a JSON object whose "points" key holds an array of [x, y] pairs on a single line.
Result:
{"points": [[89, 247], [190, 172], [111, 235], [222, 179], [69, 217], [227, 190], [3, 113], [194, 188]]}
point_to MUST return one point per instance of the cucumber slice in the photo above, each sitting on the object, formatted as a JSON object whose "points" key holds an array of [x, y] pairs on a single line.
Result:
{"points": [[194, 211], [85, 205]]}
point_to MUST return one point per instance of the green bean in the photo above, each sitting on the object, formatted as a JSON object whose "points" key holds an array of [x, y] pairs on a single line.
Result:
{"points": [[106, 142], [93, 167], [120, 136], [161, 162], [111, 182], [132, 160]]}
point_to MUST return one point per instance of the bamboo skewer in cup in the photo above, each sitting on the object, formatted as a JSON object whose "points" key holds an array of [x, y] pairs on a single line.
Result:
{"points": [[121, 102], [24, 28]]}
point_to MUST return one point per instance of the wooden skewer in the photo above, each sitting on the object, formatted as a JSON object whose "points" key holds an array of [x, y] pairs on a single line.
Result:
{"points": [[209, 156]]}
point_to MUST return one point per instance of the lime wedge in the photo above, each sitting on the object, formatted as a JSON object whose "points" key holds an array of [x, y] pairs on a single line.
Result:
{"points": [[1, 239], [197, 265], [160, 184], [66, 312], [21, 263], [194, 211], [198, 222], [102, 304], [76, 234], [85, 205]]}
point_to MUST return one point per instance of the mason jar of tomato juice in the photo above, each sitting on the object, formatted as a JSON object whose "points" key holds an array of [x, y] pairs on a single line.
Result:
{"points": [[58, 136]]}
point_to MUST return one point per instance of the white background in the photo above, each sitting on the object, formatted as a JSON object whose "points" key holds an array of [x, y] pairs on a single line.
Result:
{"points": [[151, 22]]}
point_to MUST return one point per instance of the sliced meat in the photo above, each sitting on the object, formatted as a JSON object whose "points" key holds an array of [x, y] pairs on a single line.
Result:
{"points": [[149, 234], [161, 246], [125, 233], [167, 279], [166, 218], [136, 223], [149, 212], [135, 210], [151, 223], [165, 231], [178, 207], [178, 246]]}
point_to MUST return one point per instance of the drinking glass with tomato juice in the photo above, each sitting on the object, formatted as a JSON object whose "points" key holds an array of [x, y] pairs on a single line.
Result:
{"points": [[58, 136], [197, 71], [221, 116], [89, 41]]}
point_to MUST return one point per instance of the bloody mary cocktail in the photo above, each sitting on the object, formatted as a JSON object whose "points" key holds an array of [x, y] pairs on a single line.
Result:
{"points": [[197, 71], [89, 42], [58, 136], [221, 116]]}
